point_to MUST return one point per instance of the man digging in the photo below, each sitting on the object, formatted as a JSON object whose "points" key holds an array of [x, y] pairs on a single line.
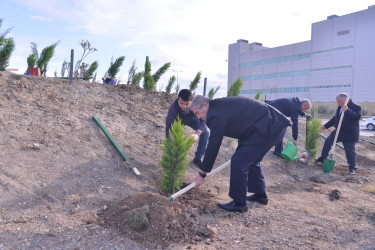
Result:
{"points": [[257, 126]]}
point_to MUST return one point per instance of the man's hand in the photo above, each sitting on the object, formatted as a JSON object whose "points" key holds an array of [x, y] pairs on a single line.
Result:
{"points": [[308, 115], [322, 128], [295, 143], [199, 180], [195, 136], [344, 108]]}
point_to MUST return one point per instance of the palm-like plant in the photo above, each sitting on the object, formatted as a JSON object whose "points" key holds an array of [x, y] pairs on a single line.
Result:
{"points": [[149, 81], [114, 68], [7, 46], [43, 59], [194, 83], [89, 73], [31, 62], [171, 81], [213, 92]]}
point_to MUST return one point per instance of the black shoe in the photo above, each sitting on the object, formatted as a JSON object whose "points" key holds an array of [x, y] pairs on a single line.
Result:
{"points": [[351, 172], [278, 154], [319, 160], [253, 197], [233, 207], [198, 162]]}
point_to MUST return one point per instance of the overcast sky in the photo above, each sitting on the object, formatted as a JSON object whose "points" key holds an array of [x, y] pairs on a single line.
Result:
{"points": [[193, 35]]}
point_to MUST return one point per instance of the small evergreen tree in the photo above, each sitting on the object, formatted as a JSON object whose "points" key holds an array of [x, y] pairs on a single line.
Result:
{"points": [[174, 158], [312, 137], [235, 88], [114, 68], [257, 96], [7, 46], [194, 84], [31, 62], [213, 92], [171, 81]]}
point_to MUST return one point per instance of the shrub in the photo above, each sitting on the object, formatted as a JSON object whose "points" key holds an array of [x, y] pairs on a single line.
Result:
{"points": [[174, 158], [235, 89], [312, 137]]}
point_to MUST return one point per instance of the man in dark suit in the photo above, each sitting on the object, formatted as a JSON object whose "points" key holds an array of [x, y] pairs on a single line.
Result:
{"points": [[349, 131], [257, 126], [290, 107]]}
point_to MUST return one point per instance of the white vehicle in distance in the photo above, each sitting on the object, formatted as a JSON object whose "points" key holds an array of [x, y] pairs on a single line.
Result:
{"points": [[369, 123]]}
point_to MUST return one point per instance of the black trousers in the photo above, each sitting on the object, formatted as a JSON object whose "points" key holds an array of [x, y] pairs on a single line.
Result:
{"points": [[246, 171]]}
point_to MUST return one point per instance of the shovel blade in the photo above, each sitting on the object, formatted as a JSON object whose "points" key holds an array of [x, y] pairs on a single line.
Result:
{"points": [[328, 165]]}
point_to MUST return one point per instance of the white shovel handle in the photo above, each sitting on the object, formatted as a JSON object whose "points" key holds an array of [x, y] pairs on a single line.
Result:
{"points": [[339, 125], [192, 185]]}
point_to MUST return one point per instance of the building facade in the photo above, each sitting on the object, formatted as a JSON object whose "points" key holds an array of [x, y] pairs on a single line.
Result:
{"points": [[340, 57]]}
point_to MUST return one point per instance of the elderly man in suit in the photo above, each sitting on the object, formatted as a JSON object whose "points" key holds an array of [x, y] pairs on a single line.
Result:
{"points": [[291, 107], [349, 131], [257, 126]]}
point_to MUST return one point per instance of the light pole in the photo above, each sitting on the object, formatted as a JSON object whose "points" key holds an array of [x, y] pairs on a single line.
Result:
{"points": [[177, 71]]}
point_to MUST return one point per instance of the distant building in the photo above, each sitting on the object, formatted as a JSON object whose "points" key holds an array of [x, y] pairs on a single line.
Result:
{"points": [[340, 57]]}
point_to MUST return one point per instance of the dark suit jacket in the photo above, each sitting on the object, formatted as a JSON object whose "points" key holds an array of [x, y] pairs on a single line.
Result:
{"points": [[250, 121], [290, 107], [349, 131]]}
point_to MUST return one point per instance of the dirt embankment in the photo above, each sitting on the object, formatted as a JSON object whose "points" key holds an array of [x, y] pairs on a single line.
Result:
{"points": [[63, 185]]}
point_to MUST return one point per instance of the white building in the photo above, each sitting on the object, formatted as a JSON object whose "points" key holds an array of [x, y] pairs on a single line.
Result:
{"points": [[340, 57]]}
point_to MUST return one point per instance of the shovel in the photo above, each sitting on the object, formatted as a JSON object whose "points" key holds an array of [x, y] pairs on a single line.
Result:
{"points": [[187, 188], [328, 164]]}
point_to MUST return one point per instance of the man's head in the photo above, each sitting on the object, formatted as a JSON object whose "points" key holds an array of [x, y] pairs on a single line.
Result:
{"points": [[341, 99], [199, 106], [184, 99], [305, 105]]}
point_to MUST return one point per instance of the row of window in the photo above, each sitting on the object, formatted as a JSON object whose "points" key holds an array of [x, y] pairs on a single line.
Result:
{"points": [[292, 89], [291, 73], [292, 57]]}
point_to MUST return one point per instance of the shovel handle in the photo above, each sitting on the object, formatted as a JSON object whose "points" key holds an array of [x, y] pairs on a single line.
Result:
{"points": [[339, 125], [192, 185]]}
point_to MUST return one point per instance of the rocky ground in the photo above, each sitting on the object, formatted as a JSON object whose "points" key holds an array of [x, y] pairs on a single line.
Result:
{"points": [[64, 186]]}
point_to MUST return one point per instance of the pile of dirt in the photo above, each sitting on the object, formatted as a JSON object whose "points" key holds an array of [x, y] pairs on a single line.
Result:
{"points": [[64, 186]]}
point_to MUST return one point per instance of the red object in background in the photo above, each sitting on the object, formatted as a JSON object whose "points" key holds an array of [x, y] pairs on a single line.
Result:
{"points": [[35, 71]]}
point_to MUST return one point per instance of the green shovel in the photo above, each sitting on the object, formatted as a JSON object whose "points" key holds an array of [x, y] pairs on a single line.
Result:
{"points": [[328, 164]]}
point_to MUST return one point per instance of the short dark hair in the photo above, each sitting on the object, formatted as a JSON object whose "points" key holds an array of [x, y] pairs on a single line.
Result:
{"points": [[185, 95]]}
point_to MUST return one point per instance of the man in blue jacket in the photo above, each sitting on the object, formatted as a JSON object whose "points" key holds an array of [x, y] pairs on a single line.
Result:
{"points": [[257, 126], [290, 107], [180, 108], [349, 131]]}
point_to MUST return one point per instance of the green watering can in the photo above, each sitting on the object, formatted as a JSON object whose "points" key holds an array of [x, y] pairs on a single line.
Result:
{"points": [[290, 151]]}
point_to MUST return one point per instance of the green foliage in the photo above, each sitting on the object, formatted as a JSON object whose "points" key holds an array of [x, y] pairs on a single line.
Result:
{"points": [[89, 73], [43, 59], [213, 92], [174, 158], [7, 46], [149, 81], [194, 84], [31, 62], [312, 136], [235, 88], [257, 96], [137, 79], [114, 68], [171, 81], [161, 71]]}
